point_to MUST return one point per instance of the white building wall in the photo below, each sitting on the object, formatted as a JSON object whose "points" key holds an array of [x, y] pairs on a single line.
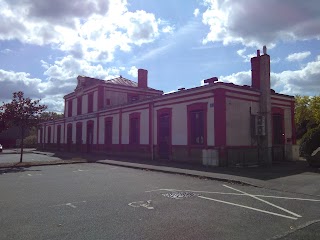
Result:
{"points": [[125, 128], [238, 121], [179, 124], [85, 104], [144, 127], [115, 129], [74, 107]]}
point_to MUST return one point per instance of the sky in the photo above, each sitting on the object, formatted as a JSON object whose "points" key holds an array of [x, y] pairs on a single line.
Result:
{"points": [[46, 44]]}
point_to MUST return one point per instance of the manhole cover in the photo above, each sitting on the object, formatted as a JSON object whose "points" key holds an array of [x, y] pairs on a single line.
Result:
{"points": [[180, 195]]}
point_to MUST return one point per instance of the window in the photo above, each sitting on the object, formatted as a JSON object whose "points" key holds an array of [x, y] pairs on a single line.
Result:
{"points": [[134, 135], [49, 135], [197, 127], [79, 105], [58, 134], [108, 102], [278, 136], [90, 103], [70, 108], [108, 131], [197, 124], [132, 98]]}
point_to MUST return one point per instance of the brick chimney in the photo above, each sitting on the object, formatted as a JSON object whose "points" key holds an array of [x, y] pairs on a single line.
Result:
{"points": [[142, 78]]}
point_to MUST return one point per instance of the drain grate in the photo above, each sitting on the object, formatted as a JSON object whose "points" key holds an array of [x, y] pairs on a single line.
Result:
{"points": [[180, 195]]}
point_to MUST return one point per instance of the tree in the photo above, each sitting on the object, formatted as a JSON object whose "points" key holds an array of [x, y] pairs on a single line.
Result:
{"points": [[46, 116], [22, 112]]}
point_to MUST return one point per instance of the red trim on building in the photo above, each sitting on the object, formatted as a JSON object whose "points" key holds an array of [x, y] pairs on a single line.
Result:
{"points": [[137, 109], [220, 118], [244, 99], [201, 106], [137, 116], [98, 127]]}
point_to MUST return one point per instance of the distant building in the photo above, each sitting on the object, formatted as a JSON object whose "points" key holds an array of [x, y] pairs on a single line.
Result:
{"points": [[220, 124]]}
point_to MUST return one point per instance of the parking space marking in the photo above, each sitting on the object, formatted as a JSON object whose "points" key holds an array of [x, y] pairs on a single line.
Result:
{"points": [[292, 215], [252, 208], [237, 194], [71, 204], [264, 201]]}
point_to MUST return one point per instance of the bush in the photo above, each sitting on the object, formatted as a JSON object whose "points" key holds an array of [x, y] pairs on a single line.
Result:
{"points": [[310, 141], [30, 141]]}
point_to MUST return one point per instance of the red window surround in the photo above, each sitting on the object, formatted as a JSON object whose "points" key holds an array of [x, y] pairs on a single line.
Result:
{"points": [[90, 102], [79, 105], [70, 108], [193, 109], [108, 131], [134, 128]]}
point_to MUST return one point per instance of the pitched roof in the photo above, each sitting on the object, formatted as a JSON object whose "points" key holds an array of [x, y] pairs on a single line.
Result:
{"points": [[122, 81]]}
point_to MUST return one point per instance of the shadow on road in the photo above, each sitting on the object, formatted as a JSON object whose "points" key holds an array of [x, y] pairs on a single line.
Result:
{"points": [[17, 170], [277, 170]]}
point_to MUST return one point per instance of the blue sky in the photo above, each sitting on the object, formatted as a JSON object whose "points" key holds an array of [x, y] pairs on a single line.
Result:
{"points": [[45, 45]]}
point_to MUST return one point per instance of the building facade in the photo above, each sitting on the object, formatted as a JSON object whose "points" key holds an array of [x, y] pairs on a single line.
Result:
{"points": [[219, 124]]}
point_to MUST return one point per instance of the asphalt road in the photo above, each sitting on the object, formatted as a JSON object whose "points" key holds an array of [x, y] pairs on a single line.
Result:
{"points": [[95, 201]]}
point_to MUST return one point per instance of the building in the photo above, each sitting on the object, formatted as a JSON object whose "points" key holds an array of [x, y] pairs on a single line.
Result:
{"points": [[220, 124]]}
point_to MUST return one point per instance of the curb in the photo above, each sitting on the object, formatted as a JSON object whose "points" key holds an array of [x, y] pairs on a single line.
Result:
{"points": [[202, 176]]}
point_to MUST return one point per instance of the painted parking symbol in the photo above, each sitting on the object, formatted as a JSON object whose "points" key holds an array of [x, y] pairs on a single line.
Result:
{"points": [[144, 204]]}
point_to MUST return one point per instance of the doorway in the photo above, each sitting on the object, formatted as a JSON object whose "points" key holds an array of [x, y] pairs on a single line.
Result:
{"points": [[164, 136]]}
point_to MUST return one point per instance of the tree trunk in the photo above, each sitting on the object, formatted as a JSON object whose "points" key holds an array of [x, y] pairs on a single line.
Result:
{"points": [[21, 143]]}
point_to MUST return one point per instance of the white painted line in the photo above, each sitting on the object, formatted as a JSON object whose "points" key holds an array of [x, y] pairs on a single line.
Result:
{"points": [[80, 170], [269, 203], [237, 194], [145, 204], [71, 204], [243, 206]]}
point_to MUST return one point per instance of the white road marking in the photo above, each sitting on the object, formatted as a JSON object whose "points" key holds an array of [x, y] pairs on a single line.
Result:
{"points": [[243, 206], [269, 203], [37, 174], [237, 194], [80, 170], [71, 204], [145, 204]]}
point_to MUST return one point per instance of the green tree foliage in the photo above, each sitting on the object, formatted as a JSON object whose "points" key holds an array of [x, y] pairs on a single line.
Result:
{"points": [[46, 116], [22, 112], [310, 141], [307, 114]]}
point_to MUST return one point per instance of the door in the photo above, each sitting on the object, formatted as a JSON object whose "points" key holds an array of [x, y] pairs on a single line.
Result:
{"points": [[164, 137], [69, 137], [108, 134]]}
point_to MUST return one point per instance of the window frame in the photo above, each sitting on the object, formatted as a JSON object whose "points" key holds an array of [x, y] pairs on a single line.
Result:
{"points": [[134, 140], [191, 109]]}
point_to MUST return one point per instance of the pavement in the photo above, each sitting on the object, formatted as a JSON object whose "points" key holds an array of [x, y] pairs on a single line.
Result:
{"points": [[295, 177]]}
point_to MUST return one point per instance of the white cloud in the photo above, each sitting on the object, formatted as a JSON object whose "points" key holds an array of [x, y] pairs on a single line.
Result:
{"points": [[133, 71], [259, 22], [89, 29], [196, 12], [303, 81], [246, 57], [298, 56]]}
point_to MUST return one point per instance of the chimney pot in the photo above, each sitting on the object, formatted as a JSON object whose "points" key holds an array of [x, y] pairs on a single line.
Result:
{"points": [[258, 53]]}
